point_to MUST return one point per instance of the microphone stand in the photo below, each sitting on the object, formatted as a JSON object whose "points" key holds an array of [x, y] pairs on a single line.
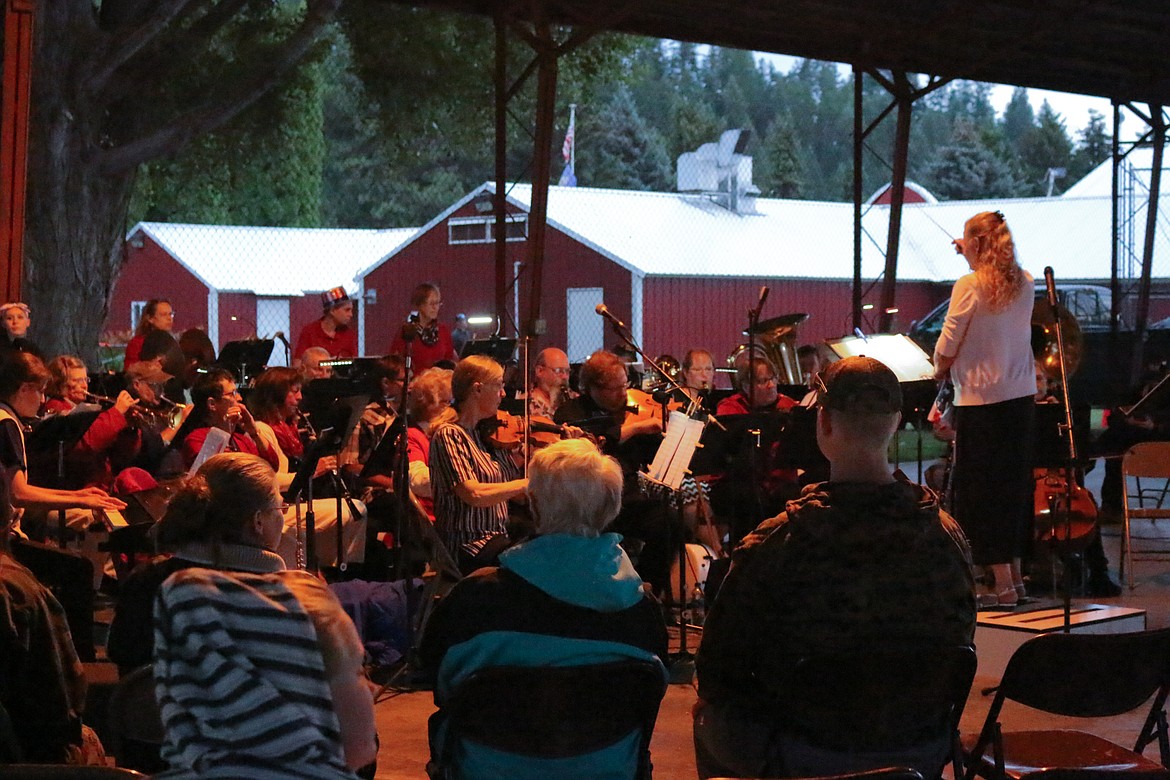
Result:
{"points": [[682, 663], [1067, 425]]}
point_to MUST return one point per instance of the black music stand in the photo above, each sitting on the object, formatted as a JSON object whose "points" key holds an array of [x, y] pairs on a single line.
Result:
{"points": [[334, 427], [49, 441], [499, 350], [245, 358]]}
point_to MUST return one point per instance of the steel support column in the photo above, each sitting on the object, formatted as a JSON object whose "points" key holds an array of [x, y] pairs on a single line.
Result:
{"points": [[858, 194], [14, 114], [1157, 122], [546, 97], [904, 98], [499, 201]]}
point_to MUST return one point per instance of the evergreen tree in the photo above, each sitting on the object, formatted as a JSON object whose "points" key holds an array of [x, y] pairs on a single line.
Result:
{"points": [[622, 151], [1044, 147], [1094, 147], [967, 168], [778, 167], [1018, 119]]}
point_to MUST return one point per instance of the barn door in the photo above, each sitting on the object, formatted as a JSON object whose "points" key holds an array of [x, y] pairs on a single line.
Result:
{"points": [[272, 316], [586, 331]]}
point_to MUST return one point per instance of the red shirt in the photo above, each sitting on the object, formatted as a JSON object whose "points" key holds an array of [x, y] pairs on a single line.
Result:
{"points": [[342, 344], [423, 356], [738, 404]]}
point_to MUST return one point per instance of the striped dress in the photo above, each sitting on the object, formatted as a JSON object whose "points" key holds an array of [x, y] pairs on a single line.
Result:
{"points": [[240, 675], [456, 456]]}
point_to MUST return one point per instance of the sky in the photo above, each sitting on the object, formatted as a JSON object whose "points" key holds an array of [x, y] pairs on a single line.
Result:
{"points": [[1074, 109]]}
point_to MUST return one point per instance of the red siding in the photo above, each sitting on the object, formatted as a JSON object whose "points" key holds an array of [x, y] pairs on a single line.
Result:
{"points": [[150, 272], [243, 307], [683, 313], [466, 275]]}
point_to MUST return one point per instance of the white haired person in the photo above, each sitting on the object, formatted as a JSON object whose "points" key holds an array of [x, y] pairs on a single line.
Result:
{"points": [[568, 596], [16, 318], [985, 349]]}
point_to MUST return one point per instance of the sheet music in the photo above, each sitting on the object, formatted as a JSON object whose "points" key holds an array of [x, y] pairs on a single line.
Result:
{"points": [[215, 443], [673, 459]]}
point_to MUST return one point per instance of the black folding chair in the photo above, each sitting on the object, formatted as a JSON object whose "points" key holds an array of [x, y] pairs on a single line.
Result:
{"points": [[1080, 676], [553, 712], [885, 707], [889, 773]]}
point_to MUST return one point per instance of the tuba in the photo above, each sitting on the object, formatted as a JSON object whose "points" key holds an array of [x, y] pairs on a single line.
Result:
{"points": [[652, 381], [775, 342], [1044, 339]]}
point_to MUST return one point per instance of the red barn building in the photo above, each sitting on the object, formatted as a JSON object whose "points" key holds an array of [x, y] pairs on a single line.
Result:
{"points": [[239, 282]]}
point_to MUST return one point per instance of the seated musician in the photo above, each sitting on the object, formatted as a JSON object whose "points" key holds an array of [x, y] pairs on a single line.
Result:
{"points": [[276, 398], [22, 381], [158, 317], [550, 383], [473, 481], [132, 432], [602, 411], [757, 482], [215, 403], [428, 405], [379, 414], [567, 597], [698, 380], [311, 367], [16, 319], [758, 390], [863, 559], [332, 332]]}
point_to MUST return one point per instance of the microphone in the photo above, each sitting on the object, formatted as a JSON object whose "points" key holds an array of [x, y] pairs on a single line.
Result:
{"points": [[279, 335], [1050, 283], [604, 312]]}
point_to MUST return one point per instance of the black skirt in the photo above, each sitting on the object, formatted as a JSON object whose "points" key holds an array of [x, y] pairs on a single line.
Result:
{"points": [[993, 477]]}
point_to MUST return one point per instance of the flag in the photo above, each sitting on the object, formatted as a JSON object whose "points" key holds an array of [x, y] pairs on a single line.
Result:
{"points": [[568, 175], [567, 146]]}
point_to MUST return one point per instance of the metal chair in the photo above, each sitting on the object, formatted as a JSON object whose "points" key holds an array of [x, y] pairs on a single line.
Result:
{"points": [[1148, 462], [1085, 676], [552, 712], [876, 708], [891, 773]]}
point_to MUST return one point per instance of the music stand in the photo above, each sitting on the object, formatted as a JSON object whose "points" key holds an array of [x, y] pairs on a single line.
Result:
{"points": [[51, 439], [245, 358], [499, 350], [335, 426]]}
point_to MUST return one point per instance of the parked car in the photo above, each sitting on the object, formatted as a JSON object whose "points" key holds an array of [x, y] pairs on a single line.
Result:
{"points": [[1102, 376]]}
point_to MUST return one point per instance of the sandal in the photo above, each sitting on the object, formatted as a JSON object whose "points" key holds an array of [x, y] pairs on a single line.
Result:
{"points": [[1008, 597]]}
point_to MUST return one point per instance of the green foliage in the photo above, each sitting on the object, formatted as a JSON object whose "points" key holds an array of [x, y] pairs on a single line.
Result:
{"points": [[1094, 147], [618, 149], [778, 168], [1046, 145], [968, 168]]}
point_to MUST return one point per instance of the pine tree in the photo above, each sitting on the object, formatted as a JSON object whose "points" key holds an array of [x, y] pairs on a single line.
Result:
{"points": [[967, 168], [1044, 147], [778, 169], [623, 151], [1094, 147]]}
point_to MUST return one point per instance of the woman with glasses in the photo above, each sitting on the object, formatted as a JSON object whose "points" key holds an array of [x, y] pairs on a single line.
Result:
{"points": [[215, 403], [471, 480], [157, 317], [430, 340]]}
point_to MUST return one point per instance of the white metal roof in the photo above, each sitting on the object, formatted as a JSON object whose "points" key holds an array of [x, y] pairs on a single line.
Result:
{"points": [[669, 234], [274, 261]]}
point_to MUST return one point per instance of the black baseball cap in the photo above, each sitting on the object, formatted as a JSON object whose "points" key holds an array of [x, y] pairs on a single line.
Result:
{"points": [[860, 385]]}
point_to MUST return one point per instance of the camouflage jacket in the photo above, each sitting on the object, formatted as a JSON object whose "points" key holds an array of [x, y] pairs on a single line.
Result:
{"points": [[846, 566]]}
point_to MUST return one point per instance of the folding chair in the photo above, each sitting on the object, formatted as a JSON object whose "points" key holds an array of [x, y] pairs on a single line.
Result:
{"points": [[1084, 676], [1148, 461], [551, 712], [891, 773], [864, 710]]}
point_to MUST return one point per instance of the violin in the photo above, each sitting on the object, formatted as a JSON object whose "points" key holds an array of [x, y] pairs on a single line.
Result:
{"points": [[507, 431], [1051, 506], [641, 405]]}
